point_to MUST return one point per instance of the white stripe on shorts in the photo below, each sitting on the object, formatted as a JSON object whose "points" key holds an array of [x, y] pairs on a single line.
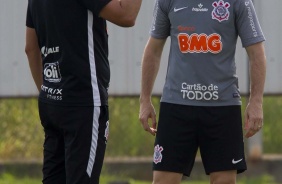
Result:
{"points": [[95, 132]]}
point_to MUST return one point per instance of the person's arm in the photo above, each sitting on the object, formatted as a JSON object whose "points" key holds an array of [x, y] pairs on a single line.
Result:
{"points": [[121, 12], [254, 110], [150, 68], [34, 56]]}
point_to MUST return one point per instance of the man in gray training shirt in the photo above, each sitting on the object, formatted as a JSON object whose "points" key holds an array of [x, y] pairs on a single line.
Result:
{"points": [[201, 103]]}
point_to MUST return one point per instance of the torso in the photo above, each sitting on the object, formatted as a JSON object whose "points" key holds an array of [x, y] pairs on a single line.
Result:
{"points": [[201, 69], [74, 53]]}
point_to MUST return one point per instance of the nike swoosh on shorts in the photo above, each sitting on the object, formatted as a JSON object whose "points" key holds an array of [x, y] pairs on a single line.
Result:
{"points": [[236, 161]]}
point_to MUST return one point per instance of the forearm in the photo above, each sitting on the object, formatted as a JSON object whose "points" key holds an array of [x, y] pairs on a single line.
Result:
{"points": [[257, 76], [131, 7], [34, 56], [121, 12], [35, 65], [150, 68], [254, 110]]}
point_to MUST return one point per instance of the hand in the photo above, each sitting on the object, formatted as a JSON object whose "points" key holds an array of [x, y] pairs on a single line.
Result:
{"points": [[253, 119], [147, 111]]}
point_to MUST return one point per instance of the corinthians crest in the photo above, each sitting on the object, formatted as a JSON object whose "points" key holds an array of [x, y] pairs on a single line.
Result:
{"points": [[158, 154], [220, 11]]}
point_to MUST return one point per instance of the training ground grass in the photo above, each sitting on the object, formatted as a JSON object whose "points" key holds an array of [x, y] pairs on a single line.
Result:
{"points": [[10, 179]]}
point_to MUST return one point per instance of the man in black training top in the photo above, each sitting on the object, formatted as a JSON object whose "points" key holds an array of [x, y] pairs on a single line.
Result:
{"points": [[67, 49]]}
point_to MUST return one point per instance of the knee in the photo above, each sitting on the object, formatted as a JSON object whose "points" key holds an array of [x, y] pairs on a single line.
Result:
{"points": [[157, 181], [223, 181], [162, 177], [223, 178]]}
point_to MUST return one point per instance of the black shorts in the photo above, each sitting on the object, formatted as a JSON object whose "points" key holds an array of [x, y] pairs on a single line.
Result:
{"points": [[75, 143], [216, 131]]}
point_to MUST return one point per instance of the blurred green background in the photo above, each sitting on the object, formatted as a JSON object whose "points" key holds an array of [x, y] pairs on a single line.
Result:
{"points": [[21, 135]]}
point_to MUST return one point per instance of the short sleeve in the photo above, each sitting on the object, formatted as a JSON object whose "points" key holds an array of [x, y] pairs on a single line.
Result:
{"points": [[247, 23], [29, 21], [95, 5], [161, 25]]}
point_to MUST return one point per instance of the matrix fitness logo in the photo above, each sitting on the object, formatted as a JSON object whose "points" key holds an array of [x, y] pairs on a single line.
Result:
{"points": [[158, 154], [220, 11]]}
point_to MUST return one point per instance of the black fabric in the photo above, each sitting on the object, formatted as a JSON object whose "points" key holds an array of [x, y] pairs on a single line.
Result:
{"points": [[68, 138], [217, 131], [73, 67]]}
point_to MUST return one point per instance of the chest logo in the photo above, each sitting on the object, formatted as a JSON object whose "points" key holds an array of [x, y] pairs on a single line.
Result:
{"points": [[200, 43], [220, 11], [178, 9], [52, 72]]}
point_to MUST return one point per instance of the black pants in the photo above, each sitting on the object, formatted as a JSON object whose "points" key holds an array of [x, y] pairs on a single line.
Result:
{"points": [[75, 143]]}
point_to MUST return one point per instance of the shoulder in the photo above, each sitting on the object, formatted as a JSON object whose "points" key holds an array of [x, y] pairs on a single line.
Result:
{"points": [[164, 4], [243, 3]]}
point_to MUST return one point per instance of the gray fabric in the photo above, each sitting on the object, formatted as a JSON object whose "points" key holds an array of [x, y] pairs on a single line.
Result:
{"points": [[201, 68]]}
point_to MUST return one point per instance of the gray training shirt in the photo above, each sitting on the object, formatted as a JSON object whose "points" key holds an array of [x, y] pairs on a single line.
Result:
{"points": [[201, 67]]}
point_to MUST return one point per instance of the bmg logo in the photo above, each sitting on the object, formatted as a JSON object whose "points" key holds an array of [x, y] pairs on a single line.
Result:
{"points": [[52, 72]]}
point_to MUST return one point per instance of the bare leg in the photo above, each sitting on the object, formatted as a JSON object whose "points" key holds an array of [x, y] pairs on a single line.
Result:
{"points": [[163, 177], [223, 177]]}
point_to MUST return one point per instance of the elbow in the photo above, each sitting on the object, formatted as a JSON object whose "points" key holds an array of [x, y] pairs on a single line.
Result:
{"points": [[127, 22], [130, 21], [27, 51], [32, 51]]}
